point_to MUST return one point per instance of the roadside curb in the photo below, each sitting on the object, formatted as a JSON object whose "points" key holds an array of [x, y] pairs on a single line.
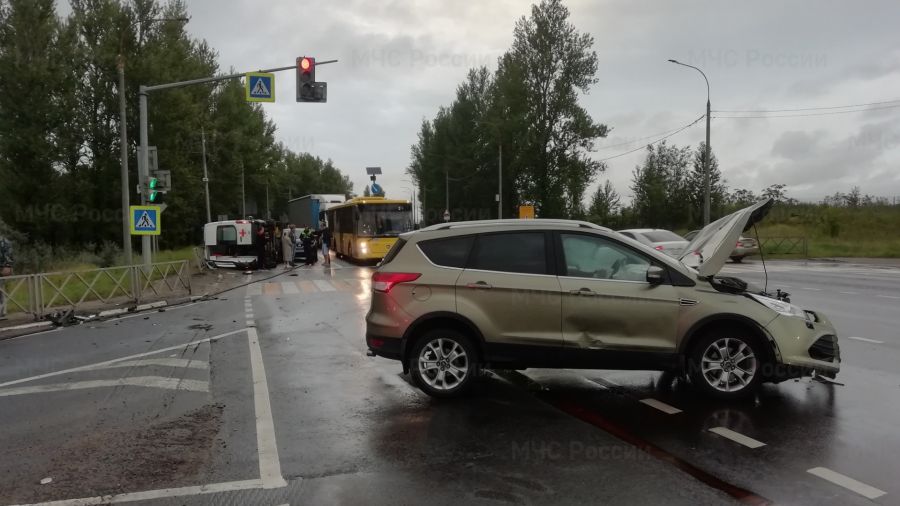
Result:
{"points": [[42, 326]]}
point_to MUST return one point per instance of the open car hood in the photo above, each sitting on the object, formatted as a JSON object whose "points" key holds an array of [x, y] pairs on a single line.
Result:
{"points": [[713, 245]]}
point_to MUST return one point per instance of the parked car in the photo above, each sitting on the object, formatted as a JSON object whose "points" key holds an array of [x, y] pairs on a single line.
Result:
{"points": [[659, 239], [455, 297], [744, 247]]}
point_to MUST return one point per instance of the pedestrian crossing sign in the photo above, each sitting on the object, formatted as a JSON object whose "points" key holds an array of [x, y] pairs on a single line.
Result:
{"points": [[145, 220], [259, 87]]}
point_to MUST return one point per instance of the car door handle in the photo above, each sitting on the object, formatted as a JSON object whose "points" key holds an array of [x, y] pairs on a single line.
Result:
{"points": [[583, 291], [479, 285]]}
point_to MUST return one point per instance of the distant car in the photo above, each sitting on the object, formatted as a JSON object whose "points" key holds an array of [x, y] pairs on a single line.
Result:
{"points": [[744, 247], [659, 239]]}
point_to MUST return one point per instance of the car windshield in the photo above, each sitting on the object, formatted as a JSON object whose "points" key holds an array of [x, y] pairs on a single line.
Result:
{"points": [[662, 236], [384, 220]]}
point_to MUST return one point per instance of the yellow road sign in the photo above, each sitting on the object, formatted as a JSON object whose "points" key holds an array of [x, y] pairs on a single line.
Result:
{"points": [[145, 220], [526, 212]]}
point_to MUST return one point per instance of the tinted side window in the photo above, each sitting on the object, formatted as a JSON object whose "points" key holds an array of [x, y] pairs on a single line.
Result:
{"points": [[523, 252], [450, 252], [595, 257]]}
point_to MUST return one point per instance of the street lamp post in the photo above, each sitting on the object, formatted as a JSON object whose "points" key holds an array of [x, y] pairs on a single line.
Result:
{"points": [[706, 152]]}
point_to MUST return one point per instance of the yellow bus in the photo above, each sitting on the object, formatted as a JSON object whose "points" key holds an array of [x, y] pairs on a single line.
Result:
{"points": [[365, 228]]}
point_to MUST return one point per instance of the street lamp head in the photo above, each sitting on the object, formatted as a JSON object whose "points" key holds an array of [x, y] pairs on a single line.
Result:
{"points": [[674, 61]]}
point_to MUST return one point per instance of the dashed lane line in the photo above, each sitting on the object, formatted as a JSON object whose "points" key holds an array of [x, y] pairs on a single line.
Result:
{"points": [[867, 491], [865, 340], [811, 289], [662, 406], [888, 297], [737, 437]]}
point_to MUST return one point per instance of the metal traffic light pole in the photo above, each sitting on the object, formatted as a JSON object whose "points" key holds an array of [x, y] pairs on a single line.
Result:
{"points": [[144, 156]]}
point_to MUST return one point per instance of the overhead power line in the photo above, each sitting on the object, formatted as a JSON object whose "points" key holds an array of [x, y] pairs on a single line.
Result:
{"points": [[896, 100], [660, 139], [828, 113]]}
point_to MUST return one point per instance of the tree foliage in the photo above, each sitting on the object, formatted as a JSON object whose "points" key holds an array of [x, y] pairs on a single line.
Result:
{"points": [[59, 124], [529, 111]]}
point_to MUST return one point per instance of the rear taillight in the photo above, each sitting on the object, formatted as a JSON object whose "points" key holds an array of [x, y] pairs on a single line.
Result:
{"points": [[384, 281], [659, 248], [739, 244]]}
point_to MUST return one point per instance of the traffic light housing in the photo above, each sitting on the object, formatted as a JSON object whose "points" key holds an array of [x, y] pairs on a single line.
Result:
{"points": [[308, 90], [153, 194], [157, 184]]}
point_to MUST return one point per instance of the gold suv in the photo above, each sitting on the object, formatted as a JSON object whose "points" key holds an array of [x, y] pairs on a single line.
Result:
{"points": [[512, 294]]}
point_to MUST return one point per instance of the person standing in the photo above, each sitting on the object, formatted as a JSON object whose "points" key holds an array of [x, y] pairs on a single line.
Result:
{"points": [[326, 243], [309, 246], [6, 265], [288, 243]]}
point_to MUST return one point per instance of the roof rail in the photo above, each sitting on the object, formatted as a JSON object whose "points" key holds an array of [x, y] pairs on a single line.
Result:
{"points": [[515, 222]]}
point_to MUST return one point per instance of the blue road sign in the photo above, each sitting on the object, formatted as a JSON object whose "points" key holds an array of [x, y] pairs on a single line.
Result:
{"points": [[145, 220], [259, 87]]}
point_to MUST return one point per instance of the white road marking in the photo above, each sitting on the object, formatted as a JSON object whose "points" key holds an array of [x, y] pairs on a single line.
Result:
{"points": [[165, 362], [139, 381], [662, 406], [737, 437], [251, 323], [269, 465], [865, 339], [849, 293], [249, 315], [289, 288], [254, 289], [323, 285], [212, 488], [867, 491], [811, 289], [888, 296], [120, 359]]}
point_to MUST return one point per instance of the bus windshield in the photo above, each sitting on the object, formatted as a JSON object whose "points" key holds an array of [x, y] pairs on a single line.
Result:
{"points": [[384, 219]]}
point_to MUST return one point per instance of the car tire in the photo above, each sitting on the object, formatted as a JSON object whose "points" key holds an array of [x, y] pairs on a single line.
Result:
{"points": [[442, 379], [731, 374], [737, 260]]}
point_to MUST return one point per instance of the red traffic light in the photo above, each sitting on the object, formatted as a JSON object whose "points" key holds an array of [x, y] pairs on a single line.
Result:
{"points": [[305, 63]]}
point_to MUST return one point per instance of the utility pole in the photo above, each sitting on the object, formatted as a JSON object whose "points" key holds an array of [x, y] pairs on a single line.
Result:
{"points": [[123, 154], [706, 152], [205, 174], [447, 191], [268, 212], [500, 184], [243, 194], [144, 167]]}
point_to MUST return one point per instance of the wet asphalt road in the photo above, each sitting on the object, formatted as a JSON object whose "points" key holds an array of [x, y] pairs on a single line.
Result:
{"points": [[88, 405]]}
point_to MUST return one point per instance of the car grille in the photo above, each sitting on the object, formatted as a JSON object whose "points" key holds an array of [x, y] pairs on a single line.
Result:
{"points": [[825, 348]]}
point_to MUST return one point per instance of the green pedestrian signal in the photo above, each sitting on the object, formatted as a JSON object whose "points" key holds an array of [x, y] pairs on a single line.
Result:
{"points": [[152, 185]]}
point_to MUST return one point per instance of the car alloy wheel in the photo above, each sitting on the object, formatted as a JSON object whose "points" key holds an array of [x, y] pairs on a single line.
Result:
{"points": [[729, 365], [443, 364]]}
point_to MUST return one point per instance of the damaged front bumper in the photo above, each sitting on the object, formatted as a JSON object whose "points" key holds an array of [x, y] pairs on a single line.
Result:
{"points": [[804, 347]]}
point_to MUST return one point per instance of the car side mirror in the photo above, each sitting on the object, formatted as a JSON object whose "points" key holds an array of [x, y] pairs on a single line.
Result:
{"points": [[656, 275]]}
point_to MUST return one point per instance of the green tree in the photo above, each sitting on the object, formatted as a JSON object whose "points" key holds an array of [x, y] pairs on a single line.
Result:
{"points": [[660, 187], [718, 192], [604, 204], [549, 64]]}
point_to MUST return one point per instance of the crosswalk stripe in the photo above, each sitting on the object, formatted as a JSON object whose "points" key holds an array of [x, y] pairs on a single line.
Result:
{"points": [[289, 288], [307, 286], [272, 289], [323, 285], [341, 285], [254, 289]]}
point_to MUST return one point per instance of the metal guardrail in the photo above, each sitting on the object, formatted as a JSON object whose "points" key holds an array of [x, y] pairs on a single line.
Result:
{"points": [[39, 294], [784, 246]]}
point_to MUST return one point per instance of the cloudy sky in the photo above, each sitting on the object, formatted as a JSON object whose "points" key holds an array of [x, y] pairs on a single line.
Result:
{"points": [[400, 60]]}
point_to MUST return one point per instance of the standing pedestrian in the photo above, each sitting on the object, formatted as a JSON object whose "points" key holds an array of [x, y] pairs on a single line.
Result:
{"points": [[309, 249], [6, 265], [288, 243], [326, 243]]}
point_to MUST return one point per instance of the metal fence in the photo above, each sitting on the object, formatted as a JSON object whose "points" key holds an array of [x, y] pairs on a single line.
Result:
{"points": [[784, 246], [43, 293]]}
